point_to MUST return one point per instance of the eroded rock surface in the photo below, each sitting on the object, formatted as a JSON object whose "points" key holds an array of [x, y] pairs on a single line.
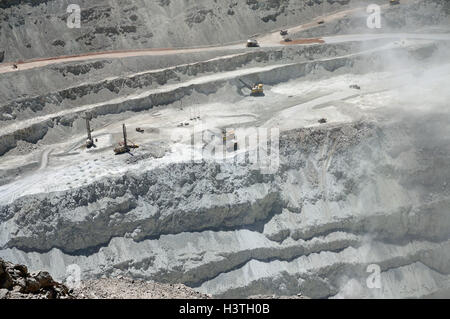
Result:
{"points": [[17, 283]]}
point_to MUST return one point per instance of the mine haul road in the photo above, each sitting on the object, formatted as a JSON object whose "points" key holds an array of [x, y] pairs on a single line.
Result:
{"points": [[271, 39]]}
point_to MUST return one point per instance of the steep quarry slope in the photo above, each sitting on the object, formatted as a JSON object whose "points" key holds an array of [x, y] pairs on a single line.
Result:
{"points": [[30, 29], [19, 86], [343, 198], [369, 187], [31, 118]]}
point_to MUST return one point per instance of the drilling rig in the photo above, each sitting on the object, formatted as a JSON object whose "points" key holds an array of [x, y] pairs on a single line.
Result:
{"points": [[124, 146], [89, 141]]}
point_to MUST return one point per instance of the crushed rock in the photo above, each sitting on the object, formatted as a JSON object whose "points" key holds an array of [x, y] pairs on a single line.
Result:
{"points": [[127, 288]]}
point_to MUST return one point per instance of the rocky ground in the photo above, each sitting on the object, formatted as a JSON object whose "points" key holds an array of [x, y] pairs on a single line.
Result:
{"points": [[127, 288], [17, 283]]}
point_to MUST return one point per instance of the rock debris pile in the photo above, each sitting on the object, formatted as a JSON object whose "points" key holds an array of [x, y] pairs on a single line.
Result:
{"points": [[17, 283]]}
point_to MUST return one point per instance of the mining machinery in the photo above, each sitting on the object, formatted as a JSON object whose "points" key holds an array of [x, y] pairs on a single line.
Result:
{"points": [[124, 146], [252, 43], [256, 89], [89, 141]]}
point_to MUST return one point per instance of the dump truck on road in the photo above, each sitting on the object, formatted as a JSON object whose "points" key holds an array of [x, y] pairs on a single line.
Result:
{"points": [[252, 43]]}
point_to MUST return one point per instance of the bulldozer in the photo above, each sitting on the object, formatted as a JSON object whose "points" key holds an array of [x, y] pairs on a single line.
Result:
{"points": [[124, 147], [256, 89]]}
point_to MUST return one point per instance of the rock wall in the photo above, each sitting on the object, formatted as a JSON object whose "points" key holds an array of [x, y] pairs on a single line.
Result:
{"points": [[30, 29], [341, 200]]}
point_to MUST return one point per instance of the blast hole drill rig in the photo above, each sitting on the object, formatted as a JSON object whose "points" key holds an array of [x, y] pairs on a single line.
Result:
{"points": [[124, 147]]}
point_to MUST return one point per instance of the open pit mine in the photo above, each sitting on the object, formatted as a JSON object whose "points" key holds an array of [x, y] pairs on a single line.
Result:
{"points": [[237, 148]]}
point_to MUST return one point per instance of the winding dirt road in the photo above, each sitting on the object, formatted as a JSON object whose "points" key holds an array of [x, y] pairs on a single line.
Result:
{"points": [[271, 39]]}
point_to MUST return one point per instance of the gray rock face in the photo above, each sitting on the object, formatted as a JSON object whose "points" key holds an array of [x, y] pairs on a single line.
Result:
{"points": [[124, 24], [231, 231], [198, 207]]}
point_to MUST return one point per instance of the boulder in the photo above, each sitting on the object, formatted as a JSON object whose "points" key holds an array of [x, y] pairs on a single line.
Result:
{"points": [[22, 269], [32, 285], [20, 285], [44, 279], [17, 283], [6, 282]]}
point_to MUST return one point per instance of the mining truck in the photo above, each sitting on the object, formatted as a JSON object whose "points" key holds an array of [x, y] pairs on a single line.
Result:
{"points": [[252, 43]]}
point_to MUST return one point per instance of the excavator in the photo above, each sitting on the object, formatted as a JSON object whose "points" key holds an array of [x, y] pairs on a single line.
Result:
{"points": [[124, 147], [256, 89], [89, 141]]}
